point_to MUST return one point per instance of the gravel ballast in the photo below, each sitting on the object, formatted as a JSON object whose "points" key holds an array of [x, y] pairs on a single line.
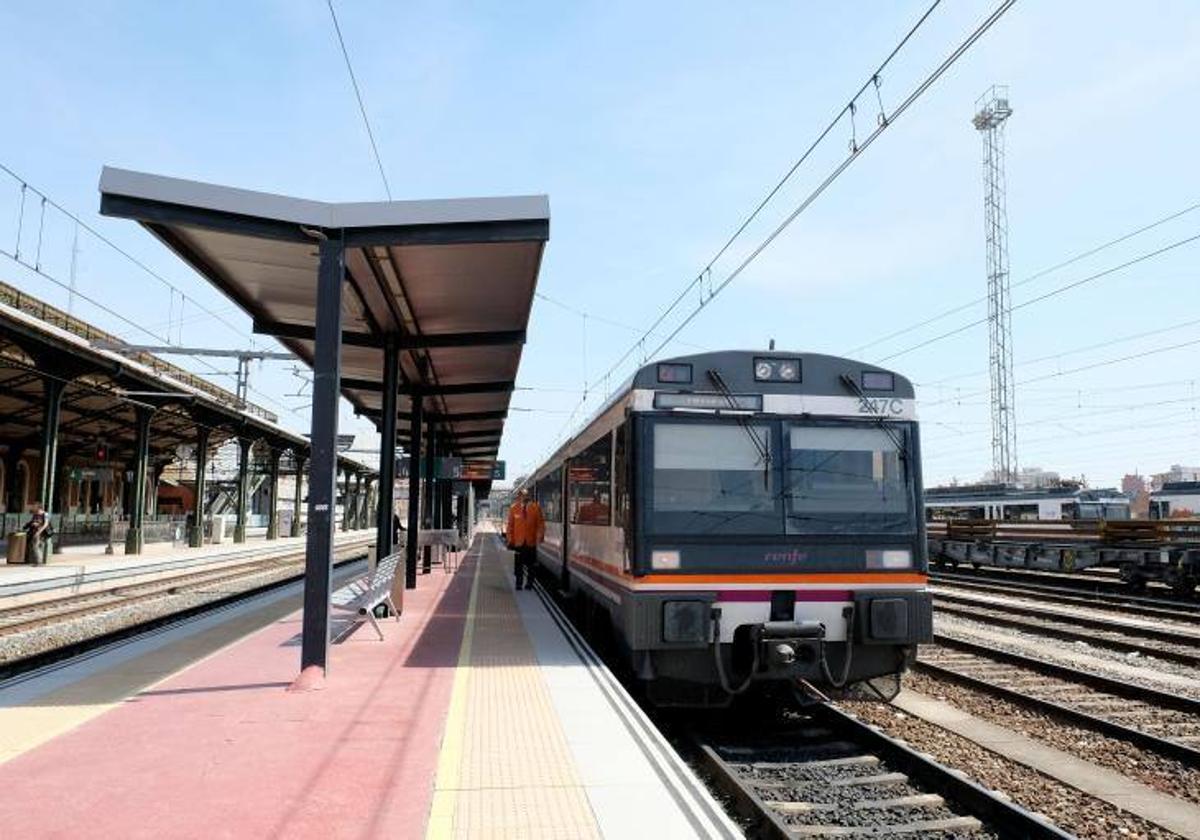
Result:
{"points": [[1163, 774], [1067, 807], [1134, 668]]}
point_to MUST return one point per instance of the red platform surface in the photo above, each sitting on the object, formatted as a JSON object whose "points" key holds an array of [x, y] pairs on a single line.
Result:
{"points": [[223, 750]]}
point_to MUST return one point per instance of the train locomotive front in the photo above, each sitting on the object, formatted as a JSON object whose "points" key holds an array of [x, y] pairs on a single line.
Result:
{"points": [[744, 521]]}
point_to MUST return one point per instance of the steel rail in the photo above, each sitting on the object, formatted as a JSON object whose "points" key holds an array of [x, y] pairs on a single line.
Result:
{"points": [[995, 812], [1139, 737], [987, 613], [49, 658], [1130, 691], [1159, 633], [1132, 604]]}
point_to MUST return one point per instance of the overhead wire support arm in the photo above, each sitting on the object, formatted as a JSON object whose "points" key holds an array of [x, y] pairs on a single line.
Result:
{"points": [[885, 121]]}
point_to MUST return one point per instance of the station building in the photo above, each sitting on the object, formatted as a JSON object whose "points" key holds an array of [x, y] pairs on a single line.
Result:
{"points": [[126, 448]]}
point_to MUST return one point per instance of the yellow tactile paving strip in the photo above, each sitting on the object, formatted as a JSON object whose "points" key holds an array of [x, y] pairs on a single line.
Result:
{"points": [[505, 769]]}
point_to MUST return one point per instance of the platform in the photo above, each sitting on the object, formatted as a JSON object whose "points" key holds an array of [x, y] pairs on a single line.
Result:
{"points": [[480, 715]]}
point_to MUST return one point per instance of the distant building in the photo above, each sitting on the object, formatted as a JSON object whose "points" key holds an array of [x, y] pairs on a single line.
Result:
{"points": [[1176, 500], [1134, 487], [1175, 475], [1031, 477]]}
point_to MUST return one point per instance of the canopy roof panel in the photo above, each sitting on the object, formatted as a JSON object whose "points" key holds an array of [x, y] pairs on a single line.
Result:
{"points": [[451, 280]]}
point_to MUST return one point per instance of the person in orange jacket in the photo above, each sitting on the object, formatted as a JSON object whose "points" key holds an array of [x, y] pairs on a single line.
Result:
{"points": [[525, 531]]}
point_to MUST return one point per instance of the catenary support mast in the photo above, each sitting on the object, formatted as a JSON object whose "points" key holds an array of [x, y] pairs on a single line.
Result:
{"points": [[991, 111]]}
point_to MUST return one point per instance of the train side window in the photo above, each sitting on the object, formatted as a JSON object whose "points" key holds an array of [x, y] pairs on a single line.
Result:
{"points": [[549, 492], [621, 476], [590, 493]]}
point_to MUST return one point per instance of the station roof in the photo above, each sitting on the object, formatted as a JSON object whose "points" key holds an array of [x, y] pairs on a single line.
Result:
{"points": [[452, 279], [103, 387]]}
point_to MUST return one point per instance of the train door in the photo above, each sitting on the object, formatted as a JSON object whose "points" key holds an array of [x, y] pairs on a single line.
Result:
{"points": [[564, 574]]}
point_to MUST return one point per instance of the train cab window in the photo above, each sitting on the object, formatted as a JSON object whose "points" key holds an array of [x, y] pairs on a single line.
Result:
{"points": [[842, 479], [549, 494], [714, 478], [589, 490]]}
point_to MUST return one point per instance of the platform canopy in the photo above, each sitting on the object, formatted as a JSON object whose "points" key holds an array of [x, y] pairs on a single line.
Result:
{"points": [[451, 282], [414, 311]]}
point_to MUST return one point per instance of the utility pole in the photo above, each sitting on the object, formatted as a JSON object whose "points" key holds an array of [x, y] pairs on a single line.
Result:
{"points": [[992, 110], [244, 357]]}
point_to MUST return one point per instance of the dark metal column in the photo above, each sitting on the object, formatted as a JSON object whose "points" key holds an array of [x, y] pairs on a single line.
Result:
{"points": [[243, 489], [367, 513], [196, 536], [322, 484], [414, 496], [273, 512], [141, 465], [357, 510], [12, 466], [345, 526], [431, 447], [51, 412], [297, 493]]}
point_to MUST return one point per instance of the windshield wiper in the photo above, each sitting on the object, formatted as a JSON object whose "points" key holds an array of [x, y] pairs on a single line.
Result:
{"points": [[760, 446], [893, 435]]}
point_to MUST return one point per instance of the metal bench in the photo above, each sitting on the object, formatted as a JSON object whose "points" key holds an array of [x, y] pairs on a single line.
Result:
{"points": [[361, 597]]}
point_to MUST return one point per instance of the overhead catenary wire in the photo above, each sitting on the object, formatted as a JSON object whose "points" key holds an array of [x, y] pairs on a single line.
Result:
{"points": [[1031, 278], [847, 109], [1080, 369], [37, 268], [1050, 357], [857, 148], [885, 121], [600, 319], [1091, 278], [362, 107]]}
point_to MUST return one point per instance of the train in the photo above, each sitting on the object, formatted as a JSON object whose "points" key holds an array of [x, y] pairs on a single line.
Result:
{"points": [[741, 521], [1006, 503], [1069, 529]]}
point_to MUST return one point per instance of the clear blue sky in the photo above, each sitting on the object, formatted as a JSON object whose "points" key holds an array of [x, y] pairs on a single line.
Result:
{"points": [[654, 128]]}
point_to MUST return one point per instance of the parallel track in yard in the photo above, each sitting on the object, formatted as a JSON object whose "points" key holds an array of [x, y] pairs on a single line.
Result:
{"points": [[345, 558], [1003, 583], [1165, 723], [26, 617], [1160, 642], [32, 614], [828, 774]]}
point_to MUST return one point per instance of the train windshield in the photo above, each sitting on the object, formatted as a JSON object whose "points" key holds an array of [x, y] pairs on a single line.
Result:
{"points": [[715, 478], [725, 477], [847, 478]]}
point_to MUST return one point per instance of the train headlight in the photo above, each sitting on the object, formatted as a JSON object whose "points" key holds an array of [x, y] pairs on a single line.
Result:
{"points": [[776, 370], [664, 559], [889, 558], [685, 621]]}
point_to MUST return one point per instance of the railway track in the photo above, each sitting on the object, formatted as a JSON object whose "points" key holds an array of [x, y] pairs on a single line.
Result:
{"points": [[1164, 608], [1113, 634], [1155, 720], [827, 774], [345, 556], [30, 616]]}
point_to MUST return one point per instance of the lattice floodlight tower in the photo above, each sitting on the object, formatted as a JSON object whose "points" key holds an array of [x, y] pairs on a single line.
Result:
{"points": [[992, 110]]}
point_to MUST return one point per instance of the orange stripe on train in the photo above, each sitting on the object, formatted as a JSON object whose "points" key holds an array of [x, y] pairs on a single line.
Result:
{"points": [[811, 577]]}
